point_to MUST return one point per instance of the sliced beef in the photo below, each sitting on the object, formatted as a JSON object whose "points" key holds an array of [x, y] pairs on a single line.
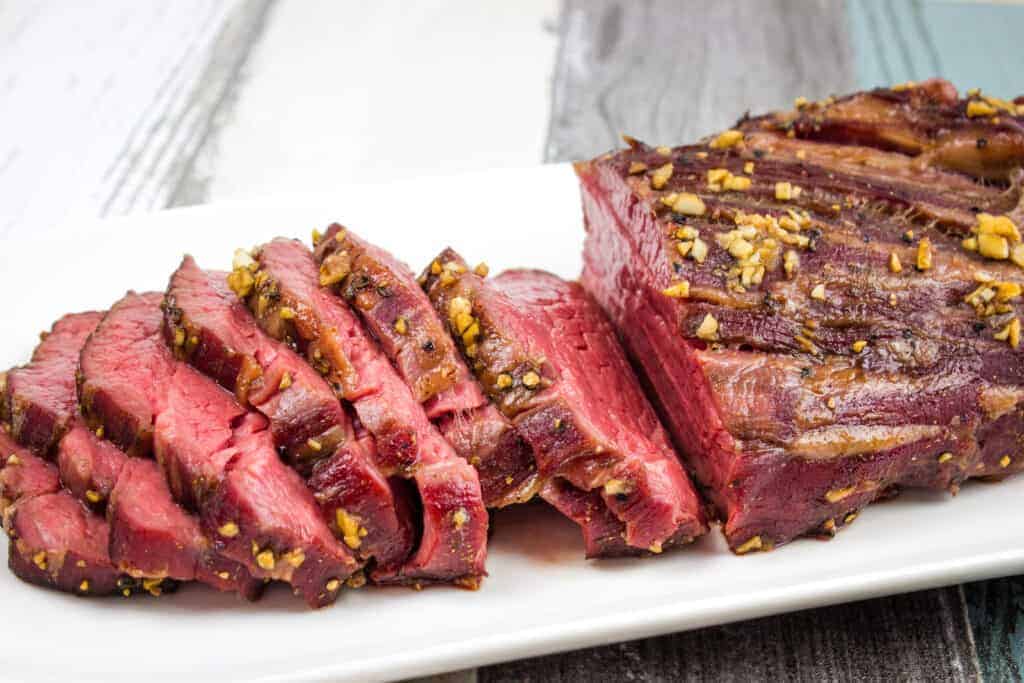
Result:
{"points": [[23, 474], [218, 459], [89, 466], [151, 539], [120, 393], [282, 288], [549, 359], [208, 326], [39, 398], [387, 297], [825, 302], [395, 310], [54, 540]]}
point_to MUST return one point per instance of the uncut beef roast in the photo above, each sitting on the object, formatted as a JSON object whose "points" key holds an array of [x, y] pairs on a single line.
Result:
{"points": [[548, 358], [282, 287], [825, 301]]}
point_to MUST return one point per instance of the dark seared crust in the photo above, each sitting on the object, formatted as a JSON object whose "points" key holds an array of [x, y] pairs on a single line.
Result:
{"points": [[817, 389], [503, 459], [549, 360], [207, 325], [927, 121], [491, 352], [284, 293], [219, 460], [395, 309], [389, 301], [39, 397]]}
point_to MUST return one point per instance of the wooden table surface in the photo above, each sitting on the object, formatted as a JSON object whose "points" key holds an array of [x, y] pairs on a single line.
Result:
{"points": [[122, 106]]}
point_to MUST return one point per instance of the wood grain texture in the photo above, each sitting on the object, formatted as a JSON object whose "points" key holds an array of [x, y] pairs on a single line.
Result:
{"points": [[670, 71], [912, 637], [973, 44], [105, 104], [343, 92], [996, 611]]}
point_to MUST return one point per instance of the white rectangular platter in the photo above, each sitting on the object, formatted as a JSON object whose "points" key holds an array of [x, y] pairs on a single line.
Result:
{"points": [[541, 596]]}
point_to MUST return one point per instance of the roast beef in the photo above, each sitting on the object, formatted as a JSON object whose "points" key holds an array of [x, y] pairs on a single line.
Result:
{"points": [[151, 538], [825, 302], [282, 288], [39, 398], [218, 459], [393, 307], [89, 466], [23, 474], [54, 540], [548, 358], [58, 543], [211, 328]]}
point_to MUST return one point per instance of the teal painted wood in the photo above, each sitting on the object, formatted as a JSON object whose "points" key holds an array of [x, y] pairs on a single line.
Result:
{"points": [[996, 610], [973, 44]]}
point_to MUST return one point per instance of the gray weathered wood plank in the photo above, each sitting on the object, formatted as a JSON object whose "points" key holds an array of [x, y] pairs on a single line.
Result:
{"points": [[912, 637], [112, 120], [671, 71]]}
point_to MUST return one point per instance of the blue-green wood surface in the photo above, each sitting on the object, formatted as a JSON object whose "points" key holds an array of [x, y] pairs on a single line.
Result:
{"points": [[972, 44]]}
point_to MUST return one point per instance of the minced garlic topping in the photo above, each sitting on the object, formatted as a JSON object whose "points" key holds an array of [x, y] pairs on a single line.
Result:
{"points": [[661, 176], [725, 140], [708, 329]]}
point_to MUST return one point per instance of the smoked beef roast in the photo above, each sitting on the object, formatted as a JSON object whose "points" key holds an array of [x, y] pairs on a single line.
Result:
{"points": [[825, 302]]}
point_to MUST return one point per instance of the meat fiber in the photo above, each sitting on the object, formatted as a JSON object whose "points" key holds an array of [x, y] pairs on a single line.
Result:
{"points": [[218, 459], [549, 360], [393, 307], [825, 302], [151, 538], [282, 288], [211, 328]]}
